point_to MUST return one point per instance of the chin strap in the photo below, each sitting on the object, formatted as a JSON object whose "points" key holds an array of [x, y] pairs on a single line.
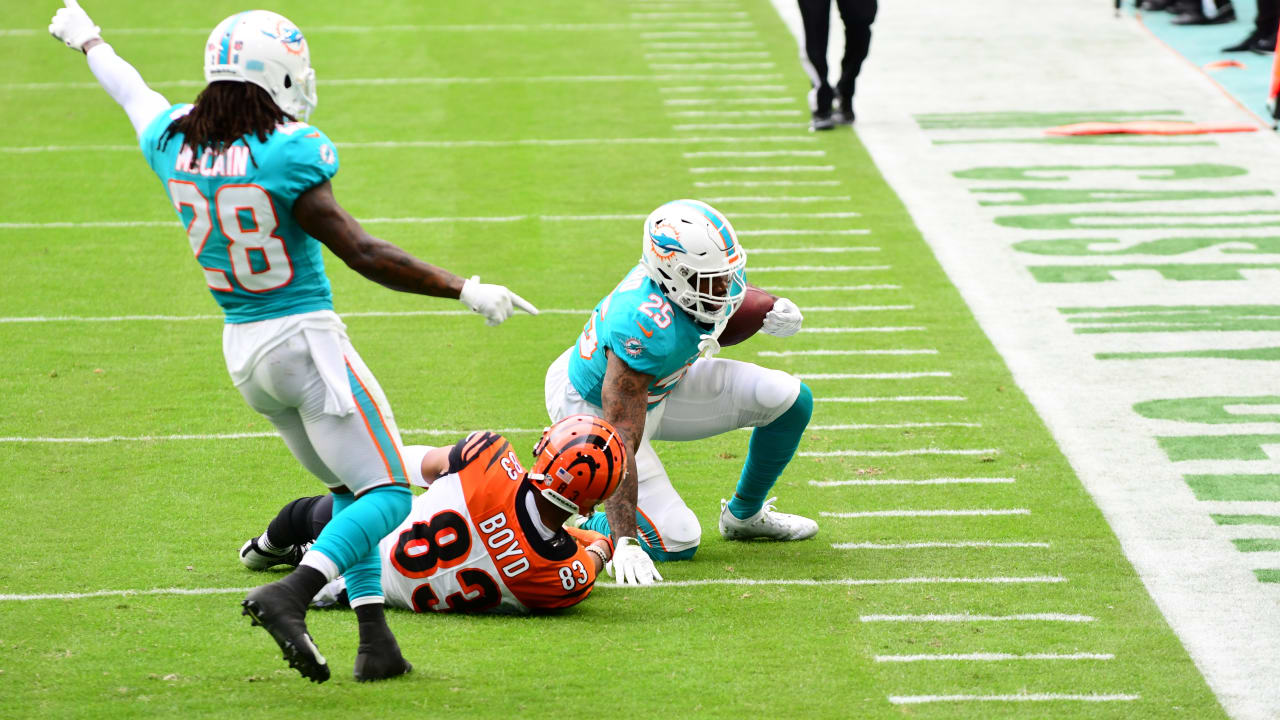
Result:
{"points": [[709, 344]]}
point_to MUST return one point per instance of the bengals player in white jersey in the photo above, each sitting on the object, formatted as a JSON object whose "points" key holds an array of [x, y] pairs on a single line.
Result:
{"points": [[487, 535]]}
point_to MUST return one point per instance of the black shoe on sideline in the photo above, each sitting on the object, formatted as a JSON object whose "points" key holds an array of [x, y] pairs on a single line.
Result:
{"points": [[1226, 14], [278, 610], [822, 120], [845, 116]]}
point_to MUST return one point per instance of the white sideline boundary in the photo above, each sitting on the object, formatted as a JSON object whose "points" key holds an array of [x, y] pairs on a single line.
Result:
{"points": [[733, 582]]}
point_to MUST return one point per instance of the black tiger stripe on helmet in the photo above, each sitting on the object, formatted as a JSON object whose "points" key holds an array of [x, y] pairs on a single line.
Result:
{"points": [[578, 463]]}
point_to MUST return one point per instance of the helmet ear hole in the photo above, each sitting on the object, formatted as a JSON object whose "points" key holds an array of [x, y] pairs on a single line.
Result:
{"points": [[288, 81]]}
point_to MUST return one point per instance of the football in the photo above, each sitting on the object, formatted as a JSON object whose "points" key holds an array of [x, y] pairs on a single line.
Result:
{"points": [[748, 318]]}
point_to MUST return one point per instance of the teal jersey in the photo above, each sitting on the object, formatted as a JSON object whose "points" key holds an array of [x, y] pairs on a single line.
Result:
{"points": [[639, 325], [237, 207]]}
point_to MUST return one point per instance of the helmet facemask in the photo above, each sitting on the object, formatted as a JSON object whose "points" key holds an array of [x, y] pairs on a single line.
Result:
{"points": [[691, 251]]}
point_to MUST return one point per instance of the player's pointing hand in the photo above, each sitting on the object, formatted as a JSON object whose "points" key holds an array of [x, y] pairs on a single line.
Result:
{"points": [[495, 302], [72, 26]]}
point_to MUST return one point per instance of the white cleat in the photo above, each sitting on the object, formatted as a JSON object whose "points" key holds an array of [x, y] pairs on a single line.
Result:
{"points": [[768, 524], [255, 558]]}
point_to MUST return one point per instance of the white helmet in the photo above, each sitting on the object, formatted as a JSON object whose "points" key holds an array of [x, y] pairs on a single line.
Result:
{"points": [[688, 245], [264, 48]]}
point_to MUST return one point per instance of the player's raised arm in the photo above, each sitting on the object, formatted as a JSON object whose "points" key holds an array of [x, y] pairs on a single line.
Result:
{"points": [[625, 396], [319, 213], [122, 82]]}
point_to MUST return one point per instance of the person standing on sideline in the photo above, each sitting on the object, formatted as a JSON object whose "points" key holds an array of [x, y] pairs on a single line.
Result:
{"points": [[249, 180], [857, 16], [1262, 39]]}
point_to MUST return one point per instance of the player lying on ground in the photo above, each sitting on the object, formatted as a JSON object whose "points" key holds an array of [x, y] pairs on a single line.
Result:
{"points": [[643, 362], [486, 536], [250, 182]]}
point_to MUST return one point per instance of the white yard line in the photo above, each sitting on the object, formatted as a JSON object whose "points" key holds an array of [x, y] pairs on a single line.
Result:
{"points": [[779, 199], [841, 330], [455, 144], [992, 657], [825, 288], [228, 436], [928, 481], [705, 66], [874, 376], [733, 582], [58, 225], [751, 153], [847, 249], [806, 232], [734, 113], [691, 127], [896, 398], [898, 453], [462, 27], [892, 425], [1021, 697], [767, 183], [762, 168], [938, 544], [710, 55], [794, 353], [966, 617], [977, 512], [191, 318], [421, 80], [821, 268], [722, 89]]}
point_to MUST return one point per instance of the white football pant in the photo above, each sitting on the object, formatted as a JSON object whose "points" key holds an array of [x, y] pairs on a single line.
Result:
{"points": [[714, 397]]}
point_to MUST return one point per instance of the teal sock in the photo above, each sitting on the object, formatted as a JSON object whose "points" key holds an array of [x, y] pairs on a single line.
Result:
{"points": [[771, 448], [351, 538], [600, 523]]}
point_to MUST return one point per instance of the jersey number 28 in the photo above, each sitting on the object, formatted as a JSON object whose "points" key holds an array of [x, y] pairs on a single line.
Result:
{"points": [[259, 260]]}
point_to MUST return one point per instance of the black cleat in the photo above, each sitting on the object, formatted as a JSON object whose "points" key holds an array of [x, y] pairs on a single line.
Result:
{"points": [[380, 662], [821, 121], [279, 611]]}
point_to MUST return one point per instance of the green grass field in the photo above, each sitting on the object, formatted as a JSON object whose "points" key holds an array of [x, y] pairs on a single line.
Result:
{"points": [[528, 154]]}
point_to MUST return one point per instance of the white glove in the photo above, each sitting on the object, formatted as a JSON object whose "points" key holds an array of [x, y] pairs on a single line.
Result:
{"points": [[494, 302], [72, 26], [631, 565], [783, 320]]}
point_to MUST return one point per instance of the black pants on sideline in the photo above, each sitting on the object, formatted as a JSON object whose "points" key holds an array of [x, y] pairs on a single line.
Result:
{"points": [[816, 15]]}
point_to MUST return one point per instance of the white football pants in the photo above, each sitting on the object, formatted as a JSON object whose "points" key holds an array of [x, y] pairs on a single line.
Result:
{"points": [[714, 397], [360, 449]]}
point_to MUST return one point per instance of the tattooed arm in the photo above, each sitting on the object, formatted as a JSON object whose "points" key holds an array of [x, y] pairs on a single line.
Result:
{"points": [[625, 398], [319, 213]]}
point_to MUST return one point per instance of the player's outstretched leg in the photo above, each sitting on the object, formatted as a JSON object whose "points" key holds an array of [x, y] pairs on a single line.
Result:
{"points": [[748, 515], [281, 608], [289, 535]]}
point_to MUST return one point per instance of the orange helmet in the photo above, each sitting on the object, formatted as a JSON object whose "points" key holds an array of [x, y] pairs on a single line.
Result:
{"points": [[578, 462]]}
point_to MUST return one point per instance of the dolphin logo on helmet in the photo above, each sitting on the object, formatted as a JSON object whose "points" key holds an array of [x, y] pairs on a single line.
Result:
{"points": [[266, 49]]}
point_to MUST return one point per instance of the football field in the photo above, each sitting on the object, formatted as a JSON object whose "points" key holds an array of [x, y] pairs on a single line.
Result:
{"points": [[961, 569]]}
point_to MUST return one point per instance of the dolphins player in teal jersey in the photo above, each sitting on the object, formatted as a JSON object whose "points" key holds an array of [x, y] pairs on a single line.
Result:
{"points": [[249, 180], [644, 363]]}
